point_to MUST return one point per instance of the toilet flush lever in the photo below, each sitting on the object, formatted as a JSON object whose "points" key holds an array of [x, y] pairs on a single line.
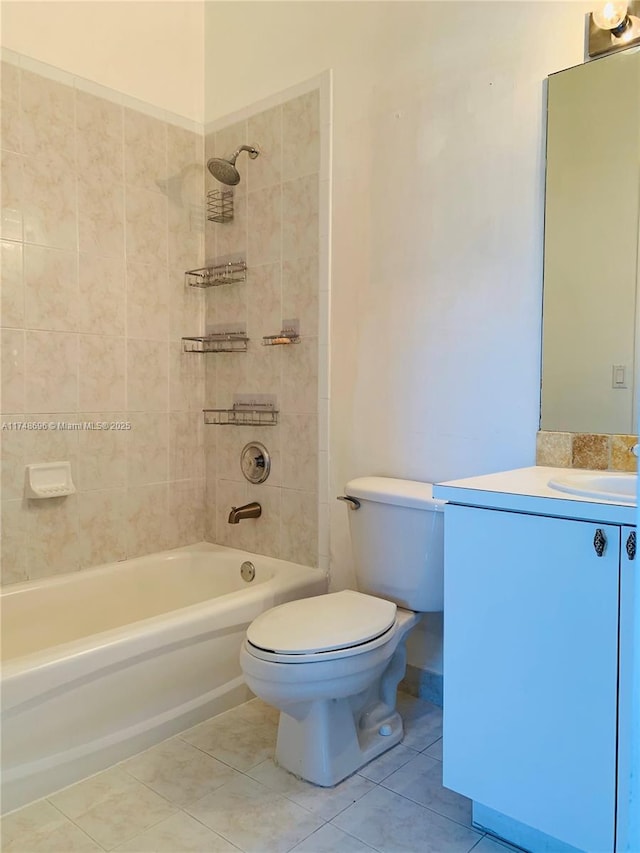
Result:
{"points": [[352, 503]]}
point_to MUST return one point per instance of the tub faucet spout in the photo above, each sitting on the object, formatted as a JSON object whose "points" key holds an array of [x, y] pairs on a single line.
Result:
{"points": [[252, 510]]}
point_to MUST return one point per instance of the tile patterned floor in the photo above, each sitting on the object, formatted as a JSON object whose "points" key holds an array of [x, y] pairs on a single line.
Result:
{"points": [[215, 787]]}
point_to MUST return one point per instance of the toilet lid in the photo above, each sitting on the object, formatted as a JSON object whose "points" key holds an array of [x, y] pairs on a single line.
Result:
{"points": [[322, 624]]}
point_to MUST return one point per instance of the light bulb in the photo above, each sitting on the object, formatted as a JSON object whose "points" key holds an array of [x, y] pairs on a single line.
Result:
{"points": [[611, 16]]}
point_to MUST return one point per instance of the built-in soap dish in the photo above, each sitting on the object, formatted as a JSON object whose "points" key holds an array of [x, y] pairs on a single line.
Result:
{"points": [[49, 480]]}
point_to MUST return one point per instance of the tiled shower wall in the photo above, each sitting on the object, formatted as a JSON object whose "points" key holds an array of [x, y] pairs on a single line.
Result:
{"points": [[102, 213], [276, 228]]}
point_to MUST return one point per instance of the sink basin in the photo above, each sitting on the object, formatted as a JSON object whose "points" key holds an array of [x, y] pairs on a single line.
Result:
{"points": [[621, 488]]}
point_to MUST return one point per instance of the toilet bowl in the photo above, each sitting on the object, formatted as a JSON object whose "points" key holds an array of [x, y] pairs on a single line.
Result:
{"points": [[332, 664]]}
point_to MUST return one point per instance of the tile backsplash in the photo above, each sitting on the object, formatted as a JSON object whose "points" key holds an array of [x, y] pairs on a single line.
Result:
{"points": [[101, 214], [586, 450]]}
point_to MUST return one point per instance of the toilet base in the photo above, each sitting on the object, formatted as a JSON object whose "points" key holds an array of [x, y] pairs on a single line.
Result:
{"points": [[328, 743]]}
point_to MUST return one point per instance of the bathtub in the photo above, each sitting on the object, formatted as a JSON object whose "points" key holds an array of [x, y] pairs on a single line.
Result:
{"points": [[100, 664]]}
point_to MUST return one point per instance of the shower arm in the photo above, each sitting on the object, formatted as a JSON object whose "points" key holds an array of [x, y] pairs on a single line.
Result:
{"points": [[253, 153]]}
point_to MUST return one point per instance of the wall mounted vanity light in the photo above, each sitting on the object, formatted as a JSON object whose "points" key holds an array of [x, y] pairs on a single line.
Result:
{"points": [[614, 26]]}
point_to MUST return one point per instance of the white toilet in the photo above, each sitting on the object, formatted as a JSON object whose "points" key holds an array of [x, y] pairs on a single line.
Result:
{"points": [[332, 663]]}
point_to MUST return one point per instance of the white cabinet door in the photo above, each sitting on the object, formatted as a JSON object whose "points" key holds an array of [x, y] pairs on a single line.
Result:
{"points": [[629, 562], [530, 670]]}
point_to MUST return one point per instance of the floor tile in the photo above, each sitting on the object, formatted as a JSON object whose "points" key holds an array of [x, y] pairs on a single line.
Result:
{"points": [[422, 721], [330, 839], [493, 845], [420, 780], [177, 834], [257, 709], [393, 824], [387, 763], [234, 739], [112, 806], [179, 771], [255, 818], [435, 750], [323, 802], [40, 828]]}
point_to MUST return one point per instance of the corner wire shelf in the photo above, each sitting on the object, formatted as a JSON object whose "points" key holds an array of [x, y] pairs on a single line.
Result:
{"points": [[220, 205], [216, 342], [228, 273], [243, 414], [286, 336]]}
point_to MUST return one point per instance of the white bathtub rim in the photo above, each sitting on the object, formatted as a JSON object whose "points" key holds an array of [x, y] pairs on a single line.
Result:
{"points": [[121, 565], [184, 623]]}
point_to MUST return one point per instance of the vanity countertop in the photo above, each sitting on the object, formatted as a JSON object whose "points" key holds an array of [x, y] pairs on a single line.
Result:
{"points": [[527, 490]]}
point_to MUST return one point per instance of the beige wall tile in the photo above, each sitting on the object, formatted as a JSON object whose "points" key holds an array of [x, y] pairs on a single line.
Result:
{"points": [[300, 293], [12, 367], [12, 287], [265, 226], [101, 218], [52, 543], [186, 447], [102, 453], [300, 461], [101, 516], [264, 369], [101, 373], [102, 295], [590, 451], [54, 443], [229, 494], [299, 532], [51, 369], [227, 305], [147, 376], [99, 129], [300, 377], [622, 459], [145, 146], [11, 130], [186, 512], [49, 204], [186, 380], [231, 237], [554, 449], [264, 301], [266, 529], [13, 557], [51, 289], [146, 226], [148, 523], [12, 449], [148, 449], [265, 133], [47, 120], [186, 306], [12, 168], [147, 301], [301, 136], [300, 218]]}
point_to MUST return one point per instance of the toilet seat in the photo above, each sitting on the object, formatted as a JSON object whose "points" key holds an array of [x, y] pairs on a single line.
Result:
{"points": [[339, 624]]}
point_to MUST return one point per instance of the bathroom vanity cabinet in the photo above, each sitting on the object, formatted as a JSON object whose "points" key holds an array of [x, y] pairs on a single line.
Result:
{"points": [[534, 652]]}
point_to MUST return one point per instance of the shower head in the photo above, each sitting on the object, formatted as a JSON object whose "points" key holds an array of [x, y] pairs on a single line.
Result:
{"points": [[225, 170]]}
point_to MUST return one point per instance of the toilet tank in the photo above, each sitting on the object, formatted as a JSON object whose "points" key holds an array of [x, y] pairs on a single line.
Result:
{"points": [[397, 538]]}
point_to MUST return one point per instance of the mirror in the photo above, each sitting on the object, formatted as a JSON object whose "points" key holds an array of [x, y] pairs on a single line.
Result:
{"points": [[591, 257]]}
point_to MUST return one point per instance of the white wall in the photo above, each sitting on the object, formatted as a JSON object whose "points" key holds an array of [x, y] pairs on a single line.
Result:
{"points": [[153, 51], [438, 177]]}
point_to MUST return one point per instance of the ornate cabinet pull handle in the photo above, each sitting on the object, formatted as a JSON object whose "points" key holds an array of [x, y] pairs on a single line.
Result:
{"points": [[599, 542], [631, 545]]}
